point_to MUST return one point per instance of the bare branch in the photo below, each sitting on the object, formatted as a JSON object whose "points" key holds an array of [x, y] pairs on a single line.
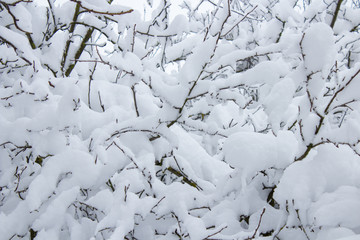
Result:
{"points": [[135, 102], [215, 233], [332, 24], [258, 226]]}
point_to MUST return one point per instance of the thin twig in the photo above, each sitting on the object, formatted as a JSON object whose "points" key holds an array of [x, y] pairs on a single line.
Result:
{"points": [[133, 39], [101, 104], [19, 52], [301, 225], [258, 226], [135, 102], [91, 77], [157, 204], [213, 234]]}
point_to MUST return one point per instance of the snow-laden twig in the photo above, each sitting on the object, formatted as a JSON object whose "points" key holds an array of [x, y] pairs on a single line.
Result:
{"points": [[258, 226], [89, 9]]}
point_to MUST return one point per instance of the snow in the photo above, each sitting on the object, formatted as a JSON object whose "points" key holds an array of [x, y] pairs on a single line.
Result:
{"points": [[182, 48], [284, 10], [24, 18], [54, 215], [253, 152], [129, 62], [337, 233], [311, 178], [197, 61], [165, 129], [202, 164], [278, 101], [55, 174], [338, 208], [318, 48], [10, 222], [20, 43], [178, 25], [91, 4]]}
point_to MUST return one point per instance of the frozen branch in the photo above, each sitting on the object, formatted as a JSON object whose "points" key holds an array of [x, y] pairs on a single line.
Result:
{"points": [[88, 9]]}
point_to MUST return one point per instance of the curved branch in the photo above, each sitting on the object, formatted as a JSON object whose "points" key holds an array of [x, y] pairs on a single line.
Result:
{"points": [[100, 12], [18, 51], [326, 111]]}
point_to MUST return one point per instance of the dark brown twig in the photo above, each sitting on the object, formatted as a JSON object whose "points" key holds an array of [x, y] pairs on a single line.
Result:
{"points": [[258, 226], [213, 234]]}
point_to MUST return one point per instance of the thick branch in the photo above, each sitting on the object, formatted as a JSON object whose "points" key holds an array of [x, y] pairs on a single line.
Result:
{"points": [[79, 51], [336, 13], [71, 30]]}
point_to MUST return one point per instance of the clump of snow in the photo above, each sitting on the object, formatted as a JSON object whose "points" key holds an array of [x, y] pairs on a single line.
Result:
{"points": [[306, 181], [195, 63], [318, 46], [54, 216], [338, 208], [278, 101], [284, 10], [71, 168], [253, 152], [23, 18], [334, 233]]}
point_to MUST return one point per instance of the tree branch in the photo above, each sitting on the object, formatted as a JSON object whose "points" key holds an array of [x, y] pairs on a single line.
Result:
{"points": [[79, 51], [332, 24], [68, 42], [100, 12]]}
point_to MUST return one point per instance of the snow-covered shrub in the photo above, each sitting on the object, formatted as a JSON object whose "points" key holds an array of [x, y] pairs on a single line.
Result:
{"points": [[193, 120]]}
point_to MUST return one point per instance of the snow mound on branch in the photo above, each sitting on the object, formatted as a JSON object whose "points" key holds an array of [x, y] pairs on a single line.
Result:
{"points": [[204, 166], [71, 168], [318, 46], [254, 152], [306, 181], [23, 18], [338, 208], [278, 101], [337, 233]]}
